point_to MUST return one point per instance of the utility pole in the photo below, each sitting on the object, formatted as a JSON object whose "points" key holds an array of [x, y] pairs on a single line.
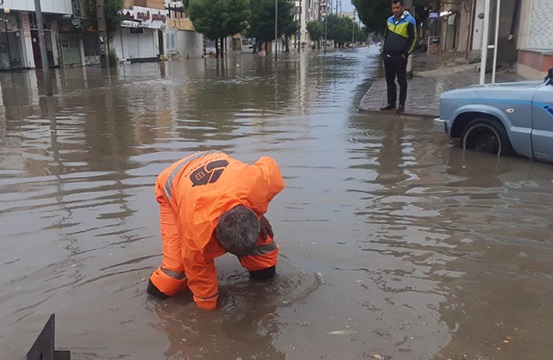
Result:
{"points": [[276, 27], [496, 39], [299, 32], [485, 34], [353, 29], [102, 32], [326, 24], [42, 45]]}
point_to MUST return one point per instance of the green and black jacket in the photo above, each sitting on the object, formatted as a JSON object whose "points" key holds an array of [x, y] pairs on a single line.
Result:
{"points": [[401, 35]]}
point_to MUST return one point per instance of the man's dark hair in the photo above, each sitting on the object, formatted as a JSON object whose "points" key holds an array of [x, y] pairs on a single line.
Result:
{"points": [[398, 1], [238, 230]]}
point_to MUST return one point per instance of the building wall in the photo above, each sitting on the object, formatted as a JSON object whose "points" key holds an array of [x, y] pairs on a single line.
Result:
{"points": [[131, 47], [155, 4], [190, 44], [464, 21], [478, 26], [47, 6], [535, 39], [524, 24], [506, 44], [541, 26], [26, 41]]}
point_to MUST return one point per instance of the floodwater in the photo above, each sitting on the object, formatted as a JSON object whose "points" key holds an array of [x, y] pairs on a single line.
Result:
{"points": [[394, 243]]}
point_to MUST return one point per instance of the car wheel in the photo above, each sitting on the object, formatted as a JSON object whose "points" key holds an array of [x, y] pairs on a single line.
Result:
{"points": [[486, 135]]}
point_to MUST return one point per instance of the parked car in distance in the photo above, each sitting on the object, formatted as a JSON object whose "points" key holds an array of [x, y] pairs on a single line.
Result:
{"points": [[503, 119]]}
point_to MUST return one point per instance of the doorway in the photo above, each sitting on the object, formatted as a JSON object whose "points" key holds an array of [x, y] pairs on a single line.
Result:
{"points": [[36, 48]]}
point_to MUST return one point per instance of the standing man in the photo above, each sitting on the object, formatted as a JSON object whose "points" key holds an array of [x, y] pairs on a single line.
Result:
{"points": [[399, 42], [211, 204]]}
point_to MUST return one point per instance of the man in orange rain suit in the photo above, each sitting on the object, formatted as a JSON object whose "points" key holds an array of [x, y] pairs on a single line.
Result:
{"points": [[211, 204]]}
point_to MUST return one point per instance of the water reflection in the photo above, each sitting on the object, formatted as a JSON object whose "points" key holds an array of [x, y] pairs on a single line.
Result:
{"points": [[244, 326], [467, 235], [420, 250], [501, 246]]}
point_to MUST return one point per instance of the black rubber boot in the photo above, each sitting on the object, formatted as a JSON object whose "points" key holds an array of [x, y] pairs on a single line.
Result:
{"points": [[263, 274], [154, 291]]}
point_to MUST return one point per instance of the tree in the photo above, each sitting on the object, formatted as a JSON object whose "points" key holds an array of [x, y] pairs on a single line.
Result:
{"points": [[217, 19], [373, 13], [262, 23], [292, 28], [339, 29], [315, 29], [360, 33], [113, 19]]}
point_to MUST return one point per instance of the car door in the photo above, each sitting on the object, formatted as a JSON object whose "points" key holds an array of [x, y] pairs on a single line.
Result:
{"points": [[542, 123]]}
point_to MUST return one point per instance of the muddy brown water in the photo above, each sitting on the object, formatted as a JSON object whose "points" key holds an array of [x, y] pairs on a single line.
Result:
{"points": [[394, 243]]}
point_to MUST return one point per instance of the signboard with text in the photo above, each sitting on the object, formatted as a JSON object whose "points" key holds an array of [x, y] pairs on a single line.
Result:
{"points": [[141, 17]]}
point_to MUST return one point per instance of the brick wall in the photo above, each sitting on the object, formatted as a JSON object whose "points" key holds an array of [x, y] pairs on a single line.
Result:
{"points": [[156, 4], [541, 26]]}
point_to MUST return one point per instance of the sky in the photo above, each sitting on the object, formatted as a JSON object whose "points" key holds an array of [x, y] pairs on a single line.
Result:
{"points": [[346, 5]]}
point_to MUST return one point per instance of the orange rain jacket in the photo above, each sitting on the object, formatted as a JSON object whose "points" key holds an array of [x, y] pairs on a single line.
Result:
{"points": [[193, 193]]}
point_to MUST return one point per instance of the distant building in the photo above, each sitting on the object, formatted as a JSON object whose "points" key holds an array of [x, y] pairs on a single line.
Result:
{"points": [[535, 38], [304, 12], [525, 36], [19, 33]]}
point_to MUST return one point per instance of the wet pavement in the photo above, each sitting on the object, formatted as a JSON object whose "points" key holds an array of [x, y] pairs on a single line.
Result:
{"points": [[430, 79], [395, 244]]}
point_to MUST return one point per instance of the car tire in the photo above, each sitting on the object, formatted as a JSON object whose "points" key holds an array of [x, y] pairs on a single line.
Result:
{"points": [[486, 135]]}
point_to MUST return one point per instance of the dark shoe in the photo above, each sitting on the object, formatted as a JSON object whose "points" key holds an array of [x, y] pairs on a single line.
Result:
{"points": [[400, 109], [154, 291], [388, 107]]}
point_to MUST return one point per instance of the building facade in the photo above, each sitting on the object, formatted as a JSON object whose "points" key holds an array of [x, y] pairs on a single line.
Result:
{"points": [[142, 33], [304, 12], [535, 39], [19, 32], [180, 38], [525, 32]]}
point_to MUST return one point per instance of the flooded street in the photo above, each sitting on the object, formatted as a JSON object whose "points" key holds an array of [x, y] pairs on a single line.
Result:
{"points": [[394, 243]]}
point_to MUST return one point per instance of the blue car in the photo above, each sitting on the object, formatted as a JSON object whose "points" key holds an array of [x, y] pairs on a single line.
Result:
{"points": [[502, 119]]}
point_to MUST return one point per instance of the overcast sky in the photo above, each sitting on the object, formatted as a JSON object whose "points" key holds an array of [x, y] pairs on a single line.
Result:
{"points": [[346, 5]]}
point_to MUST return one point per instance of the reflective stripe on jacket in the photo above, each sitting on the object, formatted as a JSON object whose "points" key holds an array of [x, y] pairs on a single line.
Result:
{"points": [[199, 189], [401, 35]]}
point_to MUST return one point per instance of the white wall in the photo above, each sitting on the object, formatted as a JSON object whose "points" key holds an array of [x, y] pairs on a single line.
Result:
{"points": [[189, 43], [478, 26], [47, 6], [525, 20], [540, 36], [135, 46], [26, 46]]}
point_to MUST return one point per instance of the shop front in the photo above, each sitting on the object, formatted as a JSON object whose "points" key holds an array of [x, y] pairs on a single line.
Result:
{"points": [[140, 37], [69, 42], [49, 27], [11, 54]]}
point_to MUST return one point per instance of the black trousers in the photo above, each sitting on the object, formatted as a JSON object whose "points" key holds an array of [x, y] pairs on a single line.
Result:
{"points": [[396, 66]]}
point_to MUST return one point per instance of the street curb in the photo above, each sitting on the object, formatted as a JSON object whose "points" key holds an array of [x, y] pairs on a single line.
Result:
{"points": [[375, 97], [401, 115]]}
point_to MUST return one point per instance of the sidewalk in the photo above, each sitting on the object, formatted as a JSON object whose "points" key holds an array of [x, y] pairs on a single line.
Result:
{"points": [[430, 78]]}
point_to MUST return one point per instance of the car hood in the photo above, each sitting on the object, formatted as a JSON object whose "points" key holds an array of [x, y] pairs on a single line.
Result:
{"points": [[515, 85], [487, 91]]}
